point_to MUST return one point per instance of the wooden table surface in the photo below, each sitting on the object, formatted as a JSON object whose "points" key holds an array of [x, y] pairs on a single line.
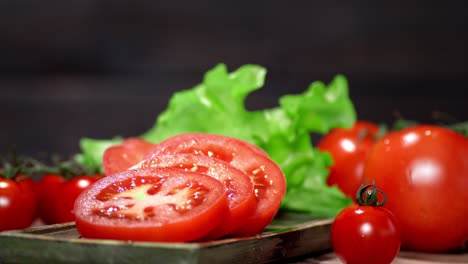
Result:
{"points": [[404, 257]]}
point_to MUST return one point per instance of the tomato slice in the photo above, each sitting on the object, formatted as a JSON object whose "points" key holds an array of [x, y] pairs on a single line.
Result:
{"points": [[242, 201], [121, 157], [267, 177], [156, 204]]}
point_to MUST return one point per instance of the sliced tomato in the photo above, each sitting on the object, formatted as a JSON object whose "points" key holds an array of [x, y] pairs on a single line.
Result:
{"points": [[157, 204], [267, 177], [123, 156], [242, 201]]}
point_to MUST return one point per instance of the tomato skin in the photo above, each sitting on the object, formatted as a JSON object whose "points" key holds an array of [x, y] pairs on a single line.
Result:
{"points": [[100, 213], [365, 234], [67, 193], [9, 211], [349, 148], [30, 199], [18, 203], [424, 172], [49, 186]]}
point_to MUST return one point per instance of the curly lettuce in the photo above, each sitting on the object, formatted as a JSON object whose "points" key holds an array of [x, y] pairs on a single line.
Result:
{"points": [[217, 105]]}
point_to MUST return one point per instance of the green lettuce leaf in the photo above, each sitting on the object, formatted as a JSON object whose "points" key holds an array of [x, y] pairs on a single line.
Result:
{"points": [[217, 105], [93, 150]]}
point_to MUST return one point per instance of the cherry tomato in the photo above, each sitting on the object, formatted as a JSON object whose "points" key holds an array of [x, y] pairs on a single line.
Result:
{"points": [[26, 183], [123, 156], [30, 198], [67, 192], [10, 211], [48, 186], [267, 177], [424, 172], [242, 201], [18, 203], [153, 204], [349, 149], [366, 233]]}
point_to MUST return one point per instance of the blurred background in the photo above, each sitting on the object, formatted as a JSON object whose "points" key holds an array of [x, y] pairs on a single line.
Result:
{"points": [[100, 68]]}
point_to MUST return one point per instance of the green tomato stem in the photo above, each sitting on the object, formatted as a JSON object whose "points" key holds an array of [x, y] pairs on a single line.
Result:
{"points": [[368, 195]]}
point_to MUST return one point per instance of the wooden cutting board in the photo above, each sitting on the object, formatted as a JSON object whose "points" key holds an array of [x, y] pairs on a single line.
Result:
{"points": [[289, 236]]}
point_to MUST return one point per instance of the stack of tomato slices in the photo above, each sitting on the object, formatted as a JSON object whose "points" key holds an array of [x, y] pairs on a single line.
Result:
{"points": [[190, 187]]}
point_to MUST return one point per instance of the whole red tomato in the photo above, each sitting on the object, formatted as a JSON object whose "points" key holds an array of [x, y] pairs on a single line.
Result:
{"points": [[67, 193], [366, 232], [349, 149], [48, 186], [18, 203], [30, 198], [424, 172]]}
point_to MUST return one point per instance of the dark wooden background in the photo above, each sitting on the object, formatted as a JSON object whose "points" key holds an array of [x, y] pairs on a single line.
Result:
{"points": [[100, 68]]}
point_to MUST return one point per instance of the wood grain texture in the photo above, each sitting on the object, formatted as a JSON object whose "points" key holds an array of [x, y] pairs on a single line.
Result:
{"points": [[289, 236]]}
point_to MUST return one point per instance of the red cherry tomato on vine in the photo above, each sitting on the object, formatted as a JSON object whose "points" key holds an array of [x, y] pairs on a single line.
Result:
{"points": [[424, 172], [366, 232], [48, 186], [349, 149], [30, 197], [26, 183], [67, 194], [18, 203]]}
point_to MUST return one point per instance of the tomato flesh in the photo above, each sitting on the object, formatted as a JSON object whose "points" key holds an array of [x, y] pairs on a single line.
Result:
{"points": [[242, 201], [123, 156], [268, 179], [153, 204], [424, 172]]}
